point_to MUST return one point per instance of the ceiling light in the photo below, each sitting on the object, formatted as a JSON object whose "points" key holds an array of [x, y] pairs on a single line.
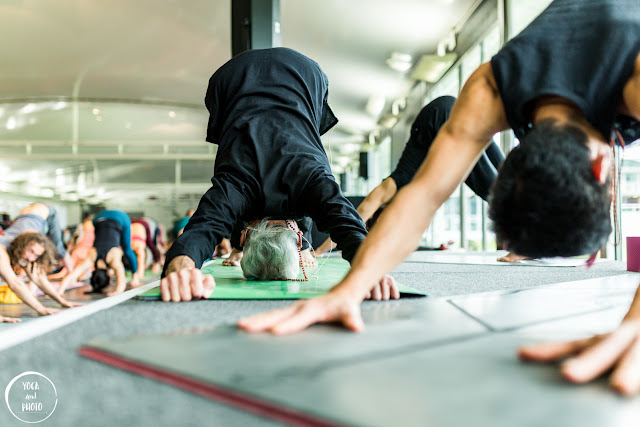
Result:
{"points": [[399, 61], [96, 111], [172, 113], [375, 105], [29, 108], [431, 68]]}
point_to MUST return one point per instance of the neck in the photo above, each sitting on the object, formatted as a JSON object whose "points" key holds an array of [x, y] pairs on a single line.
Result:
{"points": [[564, 111]]}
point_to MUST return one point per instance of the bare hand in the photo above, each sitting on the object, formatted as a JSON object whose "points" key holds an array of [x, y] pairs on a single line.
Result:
{"points": [[512, 257], [9, 319], [70, 304], [184, 282], [48, 310], [333, 307], [595, 356], [384, 290], [234, 258]]}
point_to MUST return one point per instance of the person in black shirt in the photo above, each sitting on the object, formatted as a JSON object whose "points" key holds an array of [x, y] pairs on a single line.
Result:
{"points": [[268, 109], [552, 195], [423, 130]]}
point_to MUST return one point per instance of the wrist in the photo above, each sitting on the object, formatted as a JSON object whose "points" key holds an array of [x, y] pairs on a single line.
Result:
{"points": [[181, 262]]}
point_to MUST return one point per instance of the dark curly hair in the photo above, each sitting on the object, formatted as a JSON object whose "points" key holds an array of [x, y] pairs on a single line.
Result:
{"points": [[546, 201], [100, 279], [20, 243]]}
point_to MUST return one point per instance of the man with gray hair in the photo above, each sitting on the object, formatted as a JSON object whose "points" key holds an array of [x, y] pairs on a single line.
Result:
{"points": [[271, 250], [268, 109]]}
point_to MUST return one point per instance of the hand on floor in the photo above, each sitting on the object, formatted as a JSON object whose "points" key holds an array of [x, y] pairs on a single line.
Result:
{"points": [[333, 307], [70, 304], [112, 293], [183, 282], [594, 356], [511, 257], [234, 258], [47, 311], [384, 290], [9, 319]]}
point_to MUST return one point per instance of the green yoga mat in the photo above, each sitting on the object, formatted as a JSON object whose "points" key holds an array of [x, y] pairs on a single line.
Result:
{"points": [[230, 284]]}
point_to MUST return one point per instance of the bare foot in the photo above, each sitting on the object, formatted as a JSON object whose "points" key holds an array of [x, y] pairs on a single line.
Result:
{"points": [[511, 257], [308, 260], [234, 258], [223, 248], [9, 319], [156, 268]]}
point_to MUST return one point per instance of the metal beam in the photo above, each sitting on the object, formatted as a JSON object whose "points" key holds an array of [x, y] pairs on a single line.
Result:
{"points": [[255, 24], [114, 156]]}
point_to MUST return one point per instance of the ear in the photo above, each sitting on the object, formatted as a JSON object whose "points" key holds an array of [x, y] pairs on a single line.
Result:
{"points": [[243, 236], [599, 166]]}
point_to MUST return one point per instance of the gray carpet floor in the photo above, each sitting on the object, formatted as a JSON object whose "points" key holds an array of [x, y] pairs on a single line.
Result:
{"points": [[90, 393]]}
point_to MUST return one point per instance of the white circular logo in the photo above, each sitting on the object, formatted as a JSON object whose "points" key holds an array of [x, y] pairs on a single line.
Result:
{"points": [[31, 397]]}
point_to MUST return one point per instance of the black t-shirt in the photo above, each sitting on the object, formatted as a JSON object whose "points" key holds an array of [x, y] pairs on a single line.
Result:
{"points": [[268, 109], [580, 50]]}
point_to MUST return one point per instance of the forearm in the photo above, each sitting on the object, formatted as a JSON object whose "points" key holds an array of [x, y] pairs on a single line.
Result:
{"points": [[121, 279], [43, 283], [379, 196], [23, 292], [141, 263], [634, 310]]}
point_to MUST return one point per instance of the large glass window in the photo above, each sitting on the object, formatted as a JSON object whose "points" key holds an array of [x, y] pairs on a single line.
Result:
{"points": [[463, 223], [630, 195], [522, 12]]}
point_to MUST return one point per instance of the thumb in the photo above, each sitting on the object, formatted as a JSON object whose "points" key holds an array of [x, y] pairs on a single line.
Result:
{"points": [[352, 319], [209, 284]]}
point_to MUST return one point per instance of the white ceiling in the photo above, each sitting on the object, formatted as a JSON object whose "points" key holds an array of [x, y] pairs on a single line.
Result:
{"points": [[139, 70]]}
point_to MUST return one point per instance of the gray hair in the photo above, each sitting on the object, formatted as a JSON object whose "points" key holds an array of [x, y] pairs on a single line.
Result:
{"points": [[270, 253]]}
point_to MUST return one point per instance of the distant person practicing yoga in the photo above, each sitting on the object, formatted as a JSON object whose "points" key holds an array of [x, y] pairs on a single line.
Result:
{"points": [[79, 245], [268, 109], [423, 131], [179, 225], [42, 218], [143, 237], [35, 254], [112, 241]]}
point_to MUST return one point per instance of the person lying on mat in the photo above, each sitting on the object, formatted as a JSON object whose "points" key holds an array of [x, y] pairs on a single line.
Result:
{"points": [[268, 109], [112, 241], [423, 130], [238, 241], [552, 196], [35, 254]]}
